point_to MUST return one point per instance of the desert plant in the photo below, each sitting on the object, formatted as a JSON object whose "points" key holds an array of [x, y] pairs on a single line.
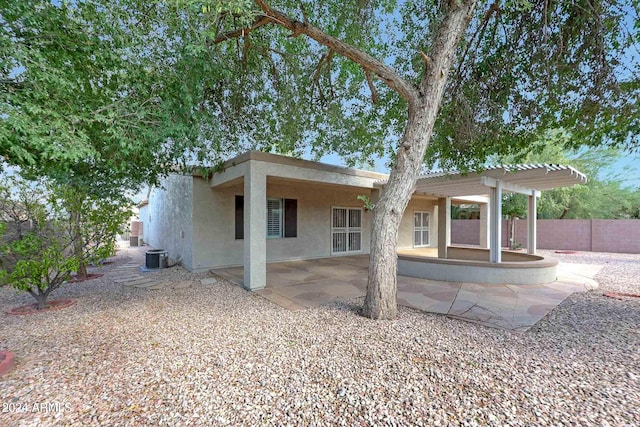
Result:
{"points": [[46, 239]]}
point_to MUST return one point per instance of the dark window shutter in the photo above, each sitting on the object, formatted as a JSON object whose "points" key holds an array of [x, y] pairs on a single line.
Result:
{"points": [[290, 218], [239, 217]]}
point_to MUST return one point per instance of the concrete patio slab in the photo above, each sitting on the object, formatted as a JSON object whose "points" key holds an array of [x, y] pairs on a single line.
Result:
{"points": [[436, 298], [280, 300], [319, 292], [311, 283]]}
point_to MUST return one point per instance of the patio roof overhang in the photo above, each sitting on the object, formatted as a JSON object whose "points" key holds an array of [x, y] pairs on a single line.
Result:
{"points": [[515, 179], [486, 188]]}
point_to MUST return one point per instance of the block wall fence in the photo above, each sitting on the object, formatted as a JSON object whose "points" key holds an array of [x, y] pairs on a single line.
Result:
{"points": [[597, 235]]}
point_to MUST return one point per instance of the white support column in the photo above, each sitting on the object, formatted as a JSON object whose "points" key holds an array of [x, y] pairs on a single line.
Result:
{"points": [[532, 213], [255, 228], [444, 226], [485, 225], [495, 213], [375, 196]]}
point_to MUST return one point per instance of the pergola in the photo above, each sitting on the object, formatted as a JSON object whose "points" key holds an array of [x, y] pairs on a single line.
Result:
{"points": [[486, 188]]}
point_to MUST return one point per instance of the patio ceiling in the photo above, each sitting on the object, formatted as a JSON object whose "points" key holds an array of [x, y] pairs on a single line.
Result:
{"points": [[532, 177]]}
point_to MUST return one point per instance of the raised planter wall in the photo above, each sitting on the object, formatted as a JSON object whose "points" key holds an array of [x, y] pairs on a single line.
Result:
{"points": [[471, 265], [475, 254]]}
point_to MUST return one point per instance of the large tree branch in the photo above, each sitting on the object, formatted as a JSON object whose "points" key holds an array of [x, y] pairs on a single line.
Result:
{"points": [[259, 22], [476, 38], [447, 39], [11, 84], [387, 74]]}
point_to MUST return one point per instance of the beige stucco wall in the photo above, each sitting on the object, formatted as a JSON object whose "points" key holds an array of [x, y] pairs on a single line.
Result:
{"points": [[214, 243], [167, 220], [314, 220], [405, 233], [213, 227], [194, 218]]}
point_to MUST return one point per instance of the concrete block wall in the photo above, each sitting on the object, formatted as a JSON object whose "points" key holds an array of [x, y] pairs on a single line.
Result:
{"points": [[136, 228], [571, 234], [465, 231], [597, 235], [616, 235]]}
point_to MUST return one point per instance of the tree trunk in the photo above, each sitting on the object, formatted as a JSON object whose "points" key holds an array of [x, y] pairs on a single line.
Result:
{"points": [[512, 232], [380, 301], [82, 270], [382, 286], [78, 245], [41, 299], [423, 101]]}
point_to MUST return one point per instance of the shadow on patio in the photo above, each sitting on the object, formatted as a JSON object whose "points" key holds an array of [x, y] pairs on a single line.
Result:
{"points": [[310, 283]]}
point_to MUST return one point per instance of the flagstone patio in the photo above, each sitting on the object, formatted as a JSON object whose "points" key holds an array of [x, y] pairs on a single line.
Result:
{"points": [[300, 284]]}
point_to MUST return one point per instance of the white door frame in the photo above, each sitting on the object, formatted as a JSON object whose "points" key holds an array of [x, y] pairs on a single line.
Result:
{"points": [[422, 228], [346, 231]]}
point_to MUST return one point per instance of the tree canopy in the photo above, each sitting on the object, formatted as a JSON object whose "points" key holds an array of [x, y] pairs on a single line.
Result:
{"points": [[47, 233], [521, 68], [92, 93], [129, 88], [119, 91]]}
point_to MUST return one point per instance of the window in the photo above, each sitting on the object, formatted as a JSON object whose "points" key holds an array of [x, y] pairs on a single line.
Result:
{"points": [[239, 217], [290, 218], [274, 218], [282, 218], [420, 229], [346, 230]]}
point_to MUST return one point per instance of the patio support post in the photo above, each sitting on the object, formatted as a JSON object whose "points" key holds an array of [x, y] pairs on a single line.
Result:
{"points": [[485, 225], [255, 228], [532, 213], [375, 196], [495, 212], [444, 226]]}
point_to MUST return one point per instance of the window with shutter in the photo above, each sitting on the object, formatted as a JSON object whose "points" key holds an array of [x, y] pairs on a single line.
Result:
{"points": [[274, 218], [282, 217]]}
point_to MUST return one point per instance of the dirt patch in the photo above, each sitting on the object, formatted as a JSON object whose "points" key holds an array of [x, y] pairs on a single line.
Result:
{"points": [[6, 361], [33, 308], [620, 295]]}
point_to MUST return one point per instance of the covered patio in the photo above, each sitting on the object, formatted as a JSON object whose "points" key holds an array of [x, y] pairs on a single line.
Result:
{"points": [[486, 189], [488, 263], [298, 285]]}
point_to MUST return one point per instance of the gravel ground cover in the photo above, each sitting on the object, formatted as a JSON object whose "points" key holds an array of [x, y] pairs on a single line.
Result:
{"points": [[217, 355]]}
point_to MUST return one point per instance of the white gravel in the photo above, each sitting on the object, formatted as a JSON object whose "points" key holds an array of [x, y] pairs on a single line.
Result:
{"points": [[216, 355]]}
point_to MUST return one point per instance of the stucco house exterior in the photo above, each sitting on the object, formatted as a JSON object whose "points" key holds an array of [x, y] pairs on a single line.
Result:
{"points": [[300, 209], [262, 208]]}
